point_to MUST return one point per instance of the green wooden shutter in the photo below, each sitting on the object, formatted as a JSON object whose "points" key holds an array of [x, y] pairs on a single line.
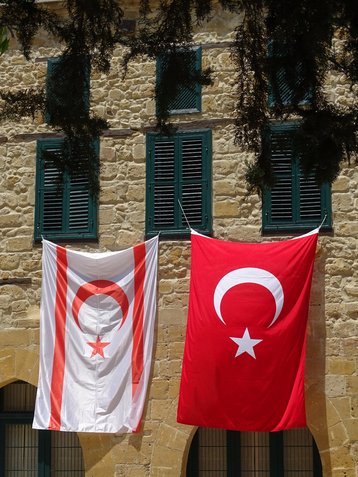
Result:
{"points": [[164, 187], [194, 193], [295, 201], [188, 100], [50, 86], [178, 169], [285, 78], [282, 157], [65, 208], [54, 95], [52, 199]]}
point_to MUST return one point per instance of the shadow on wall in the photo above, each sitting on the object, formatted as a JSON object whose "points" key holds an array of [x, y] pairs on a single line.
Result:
{"points": [[316, 405]]}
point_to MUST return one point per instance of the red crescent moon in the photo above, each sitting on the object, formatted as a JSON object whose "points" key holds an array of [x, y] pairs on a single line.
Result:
{"points": [[100, 287]]}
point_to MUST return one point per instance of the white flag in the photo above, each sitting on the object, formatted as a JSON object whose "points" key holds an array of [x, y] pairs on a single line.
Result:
{"points": [[97, 324]]}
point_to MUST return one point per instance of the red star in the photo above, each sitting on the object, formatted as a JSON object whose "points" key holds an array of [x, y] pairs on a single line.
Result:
{"points": [[98, 347]]}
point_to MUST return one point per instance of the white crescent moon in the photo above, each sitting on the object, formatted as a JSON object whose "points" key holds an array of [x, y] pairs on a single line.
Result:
{"points": [[249, 275]]}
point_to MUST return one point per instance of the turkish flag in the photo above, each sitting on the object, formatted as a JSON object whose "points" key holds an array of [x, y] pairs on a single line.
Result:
{"points": [[96, 338], [243, 366]]}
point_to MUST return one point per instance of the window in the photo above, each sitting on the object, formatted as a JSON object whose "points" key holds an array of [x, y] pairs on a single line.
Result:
{"points": [[67, 84], [26, 451], [178, 169], [295, 202], [220, 453], [287, 78], [188, 100], [65, 207]]}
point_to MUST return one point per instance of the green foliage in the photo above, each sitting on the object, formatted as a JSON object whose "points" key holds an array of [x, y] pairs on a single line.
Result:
{"points": [[90, 30], [4, 41], [324, 139], [302, 34], [21, 103], [299, 34]]}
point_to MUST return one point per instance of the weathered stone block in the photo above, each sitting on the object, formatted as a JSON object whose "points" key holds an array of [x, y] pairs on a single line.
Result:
{"points": [[341, 366], [159, 389], [335, 386], [19, 244], [19, 305], [10, 220], [226, 209]]}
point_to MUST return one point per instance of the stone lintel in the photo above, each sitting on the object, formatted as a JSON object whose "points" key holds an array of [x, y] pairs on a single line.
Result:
{"points": [[16, 281], [196, 124]]}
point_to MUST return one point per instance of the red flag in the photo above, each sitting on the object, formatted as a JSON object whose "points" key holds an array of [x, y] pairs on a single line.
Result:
{"points": [[243, 366]]}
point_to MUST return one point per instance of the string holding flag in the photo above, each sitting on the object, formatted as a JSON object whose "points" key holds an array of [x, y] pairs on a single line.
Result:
{"points": [[323, 221], [186, 218]]}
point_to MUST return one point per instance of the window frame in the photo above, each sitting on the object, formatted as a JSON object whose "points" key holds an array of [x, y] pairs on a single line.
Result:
{"points": [[65, 234], [296, 223], [180, 228], [198, 86]]}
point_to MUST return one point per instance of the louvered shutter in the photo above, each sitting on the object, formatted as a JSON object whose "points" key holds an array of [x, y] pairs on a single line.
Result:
{"points": [[281, 192], [79, 198], [52, 198], [295, 201], [310, 196], [283, 82], [165, 197], [53, 94], [189, 99], [178, 169], [50, 88], [193, 182], [65, 207]]}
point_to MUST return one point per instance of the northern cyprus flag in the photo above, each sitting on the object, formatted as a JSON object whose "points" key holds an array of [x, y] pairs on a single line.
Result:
{"points": [[97, 323]]}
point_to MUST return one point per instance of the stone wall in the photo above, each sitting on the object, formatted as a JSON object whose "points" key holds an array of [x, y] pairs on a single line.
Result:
{"points": [[160, 449]]}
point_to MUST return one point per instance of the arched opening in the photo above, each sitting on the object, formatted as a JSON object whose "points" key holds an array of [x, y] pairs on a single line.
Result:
{"points": [[221, 453], [27, 452]]}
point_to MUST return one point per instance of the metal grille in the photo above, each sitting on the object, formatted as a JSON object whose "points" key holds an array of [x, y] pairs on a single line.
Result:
{"points": [[212, 453], [28, 452], [66, 455], [18, 397], [220, 453], [297, 453], [255, 454], [21, 448]]}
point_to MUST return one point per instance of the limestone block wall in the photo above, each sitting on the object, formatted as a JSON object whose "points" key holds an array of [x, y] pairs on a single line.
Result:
{"points": [[160, 449]]}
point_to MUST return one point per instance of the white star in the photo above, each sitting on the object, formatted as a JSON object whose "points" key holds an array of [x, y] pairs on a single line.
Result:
{"points": [[246, 344]]}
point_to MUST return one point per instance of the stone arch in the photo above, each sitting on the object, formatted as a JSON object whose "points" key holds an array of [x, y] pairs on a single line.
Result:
{"points": [[173, 441], [22, 366], [172, 446], [19, 364]]}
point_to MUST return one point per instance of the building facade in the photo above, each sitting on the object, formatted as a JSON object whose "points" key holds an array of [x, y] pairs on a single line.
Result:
{"points": [[141, 177]]}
